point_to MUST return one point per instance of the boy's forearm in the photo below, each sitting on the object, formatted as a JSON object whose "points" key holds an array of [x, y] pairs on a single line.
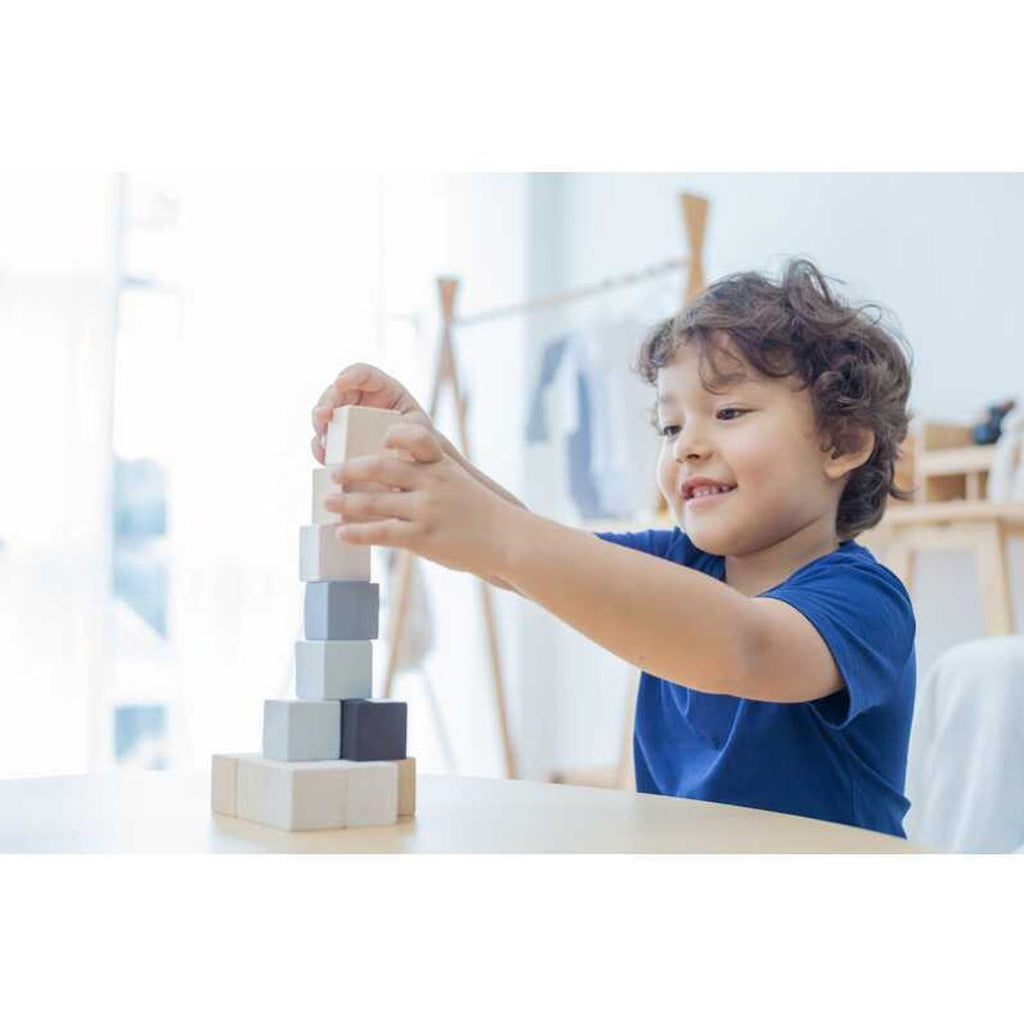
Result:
{"points": [[454, 453], [666, 619]]}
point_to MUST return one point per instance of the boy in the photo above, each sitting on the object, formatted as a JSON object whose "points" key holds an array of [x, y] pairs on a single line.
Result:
{"points": [[777, 655]]}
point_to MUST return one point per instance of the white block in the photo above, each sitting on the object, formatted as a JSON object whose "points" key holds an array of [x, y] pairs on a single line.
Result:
{"points": [[223, 773], [302, 730], [357, 430], [292, 796], [323, 557], [333, 669], [317, 794], [372, 793], [322, 486]]}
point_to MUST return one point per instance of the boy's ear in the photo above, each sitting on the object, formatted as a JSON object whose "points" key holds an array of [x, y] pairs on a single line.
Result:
{"points": [[860, 447]]}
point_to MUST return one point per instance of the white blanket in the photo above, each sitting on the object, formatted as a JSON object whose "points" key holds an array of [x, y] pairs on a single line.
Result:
{"points": [[965, 775]]}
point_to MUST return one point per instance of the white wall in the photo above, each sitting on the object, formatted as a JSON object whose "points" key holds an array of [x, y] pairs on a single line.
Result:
{"points": [[940, 250]]}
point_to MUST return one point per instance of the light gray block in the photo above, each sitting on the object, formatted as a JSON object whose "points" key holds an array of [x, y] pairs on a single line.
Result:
{"points": [[333, 669], [341, 610], [302, 730], [323, 557], [316, 794]]}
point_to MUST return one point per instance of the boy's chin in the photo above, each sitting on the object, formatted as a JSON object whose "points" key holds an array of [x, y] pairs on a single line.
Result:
{"points": [[712, 542]]}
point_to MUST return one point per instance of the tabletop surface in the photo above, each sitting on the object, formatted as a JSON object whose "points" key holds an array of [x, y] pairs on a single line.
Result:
{"points": [[158, 812]]}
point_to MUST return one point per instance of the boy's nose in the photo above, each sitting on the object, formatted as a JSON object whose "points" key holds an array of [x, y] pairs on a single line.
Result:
{"points": [[690, 446]]}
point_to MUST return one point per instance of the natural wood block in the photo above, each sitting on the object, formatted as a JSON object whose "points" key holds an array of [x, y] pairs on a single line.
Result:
{"points": [[298, 796], [322, 486], [301, 730], [342, 610], [292, 796], [333, 669], [223, 773], [372, 793], [406, 787], [357, 430], [323, 557]]}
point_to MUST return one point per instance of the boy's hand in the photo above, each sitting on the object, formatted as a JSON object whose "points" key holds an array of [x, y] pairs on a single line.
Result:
{"points": [[424, 501], [362, 384]]}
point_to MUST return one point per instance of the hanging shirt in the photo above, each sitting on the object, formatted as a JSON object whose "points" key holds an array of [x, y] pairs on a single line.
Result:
{"points": [[840, 758]]}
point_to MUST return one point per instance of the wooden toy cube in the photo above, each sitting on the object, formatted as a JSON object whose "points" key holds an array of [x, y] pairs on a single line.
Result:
{"points": [[297, 796], [342, 610], [357, 430], [323, 557], [373, 730], [333, 669], [301, 730], [322, 486]]}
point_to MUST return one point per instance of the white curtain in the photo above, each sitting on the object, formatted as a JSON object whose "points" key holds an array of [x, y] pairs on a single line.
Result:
{"points": [[55, 479]]}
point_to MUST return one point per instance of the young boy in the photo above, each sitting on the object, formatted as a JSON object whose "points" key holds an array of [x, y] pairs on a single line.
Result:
{"points": [[777, 655]]}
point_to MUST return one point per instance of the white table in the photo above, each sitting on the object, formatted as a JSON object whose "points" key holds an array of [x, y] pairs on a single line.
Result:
{"points": [[157, 812]]}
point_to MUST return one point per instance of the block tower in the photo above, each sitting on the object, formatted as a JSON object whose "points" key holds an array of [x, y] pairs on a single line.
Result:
{"points": [[334, 757]]}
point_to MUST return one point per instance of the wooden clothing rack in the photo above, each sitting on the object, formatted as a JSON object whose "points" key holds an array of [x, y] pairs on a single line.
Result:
{"points": [[694, 210]]}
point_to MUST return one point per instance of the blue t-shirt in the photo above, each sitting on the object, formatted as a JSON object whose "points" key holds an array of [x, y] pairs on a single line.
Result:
{"points": [[840, 758]]}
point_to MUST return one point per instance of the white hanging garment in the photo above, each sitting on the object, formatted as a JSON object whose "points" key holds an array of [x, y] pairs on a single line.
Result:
{"points": [[625, 449], [965, 772]]}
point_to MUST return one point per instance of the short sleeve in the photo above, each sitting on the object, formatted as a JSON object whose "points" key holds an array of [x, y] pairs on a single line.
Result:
{"points": [[863, 613], [654, 542]]}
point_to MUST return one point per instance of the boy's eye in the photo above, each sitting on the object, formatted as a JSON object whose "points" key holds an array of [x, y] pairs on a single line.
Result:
{"points": [[731, 409], [668, 430]]}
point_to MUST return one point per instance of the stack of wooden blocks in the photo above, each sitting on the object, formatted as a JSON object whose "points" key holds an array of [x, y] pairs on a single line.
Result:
{"points": [[334, 757]]}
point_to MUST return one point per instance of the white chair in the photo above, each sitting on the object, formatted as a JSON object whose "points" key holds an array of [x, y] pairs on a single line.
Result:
{"points": [[965, 773]]}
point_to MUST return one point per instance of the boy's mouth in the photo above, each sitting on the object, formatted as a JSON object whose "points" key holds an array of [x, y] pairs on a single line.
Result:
{"points": [[703, 496], [701, 488]]}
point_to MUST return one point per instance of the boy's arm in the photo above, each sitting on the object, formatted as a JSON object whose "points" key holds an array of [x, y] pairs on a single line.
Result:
{"points": [[672, 621], [452, 452]]}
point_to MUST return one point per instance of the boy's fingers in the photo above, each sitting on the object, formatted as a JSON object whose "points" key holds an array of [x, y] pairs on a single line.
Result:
{"points": [[389, 533], [384, 469], [417, 440], [318, 449], [362, 508]]}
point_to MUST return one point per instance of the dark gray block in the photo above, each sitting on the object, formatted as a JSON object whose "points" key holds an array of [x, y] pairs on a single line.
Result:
{"points": [[342, 610], [373, 730]]}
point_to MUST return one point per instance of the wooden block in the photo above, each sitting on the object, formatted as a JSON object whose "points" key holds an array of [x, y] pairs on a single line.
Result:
{"points": [[333, 669], [323, 557], [301, 730], [373, 730], [298, 796], [406, 787], [322, 486], [292, 795], [357, 430], [342, 610], [223, 773], [372, 793]]}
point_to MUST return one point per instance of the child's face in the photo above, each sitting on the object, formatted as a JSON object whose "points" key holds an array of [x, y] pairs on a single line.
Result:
{"points": [[759, 436]]}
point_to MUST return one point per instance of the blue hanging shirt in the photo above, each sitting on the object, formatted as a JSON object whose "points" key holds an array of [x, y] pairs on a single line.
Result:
{"points": [[840, 758]]}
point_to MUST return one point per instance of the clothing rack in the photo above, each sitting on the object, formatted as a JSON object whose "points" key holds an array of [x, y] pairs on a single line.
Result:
{"points": [[694, 211]]}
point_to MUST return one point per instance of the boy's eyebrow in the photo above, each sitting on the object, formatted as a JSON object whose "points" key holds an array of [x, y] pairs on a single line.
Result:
{"points": [[731, 386]]}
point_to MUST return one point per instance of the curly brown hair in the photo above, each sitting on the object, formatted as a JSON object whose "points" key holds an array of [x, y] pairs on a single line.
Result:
{"points": [[856, 369]]}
